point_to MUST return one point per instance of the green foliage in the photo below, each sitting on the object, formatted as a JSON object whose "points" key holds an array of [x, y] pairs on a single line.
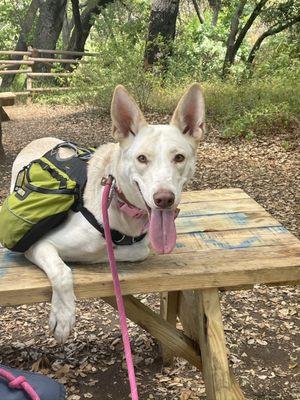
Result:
{"points": [[12, 13], [262, 100], [256, 106]]}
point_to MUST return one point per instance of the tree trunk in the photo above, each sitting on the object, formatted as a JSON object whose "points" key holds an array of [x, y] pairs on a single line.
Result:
{"points": [[234, 43], [270, 32], [66, 30], [215, 5], [22, 40], [49, 26], [234, 27], [198, 10], [83, 25], [162, 28]]}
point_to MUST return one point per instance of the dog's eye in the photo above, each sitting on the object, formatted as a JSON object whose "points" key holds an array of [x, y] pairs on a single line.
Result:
{"points": [[179, 158], [142, 159]]}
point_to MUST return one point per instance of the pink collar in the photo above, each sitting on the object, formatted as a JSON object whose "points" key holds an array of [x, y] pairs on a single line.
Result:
{"points": [[127, 208]]}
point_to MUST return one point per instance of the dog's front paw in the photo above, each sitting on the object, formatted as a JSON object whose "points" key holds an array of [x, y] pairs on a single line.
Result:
{"points": [[62, 318]]}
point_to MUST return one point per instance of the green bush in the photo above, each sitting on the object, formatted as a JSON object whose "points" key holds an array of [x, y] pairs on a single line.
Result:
{"points": [[251, 101]]}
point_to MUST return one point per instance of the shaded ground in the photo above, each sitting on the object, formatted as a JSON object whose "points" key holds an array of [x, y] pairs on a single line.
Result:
{"points": [[262, 325]]}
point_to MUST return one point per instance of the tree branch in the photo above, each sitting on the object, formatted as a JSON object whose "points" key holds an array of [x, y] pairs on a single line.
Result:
{"points": [[76, 16], [270, 32], [248, 24], [198, 11]]}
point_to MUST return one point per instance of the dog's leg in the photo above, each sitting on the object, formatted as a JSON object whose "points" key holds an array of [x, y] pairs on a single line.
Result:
{"points": [[137, 252], [62, 316]]}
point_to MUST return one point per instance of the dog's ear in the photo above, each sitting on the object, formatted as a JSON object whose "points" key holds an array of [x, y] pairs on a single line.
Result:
{"points": [[190, 113], [127, 118]]}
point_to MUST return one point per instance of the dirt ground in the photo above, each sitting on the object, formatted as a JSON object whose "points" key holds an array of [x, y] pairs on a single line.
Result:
{"points": [[262, 325]]}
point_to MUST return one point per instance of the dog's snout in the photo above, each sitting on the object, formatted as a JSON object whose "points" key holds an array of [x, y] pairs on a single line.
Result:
{"points": [[164, 198]]}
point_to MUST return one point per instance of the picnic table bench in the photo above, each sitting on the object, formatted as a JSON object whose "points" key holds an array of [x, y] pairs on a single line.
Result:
{"points": [[226, 241], [6, 99]]}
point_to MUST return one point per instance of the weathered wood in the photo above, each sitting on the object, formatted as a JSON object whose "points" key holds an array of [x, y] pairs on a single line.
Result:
{"points": [[14, 71], [168, 311], [216, 373], [56, 60], [42, 74], [50, 89], [213, 195], [163, 331], [22, 283], [15, 53], [224, 222], [24, 93], [74, 53], [16, 62], [188, 313], [234, 239], [189, 318], [3, 115], [7, 99], [243, 256]]}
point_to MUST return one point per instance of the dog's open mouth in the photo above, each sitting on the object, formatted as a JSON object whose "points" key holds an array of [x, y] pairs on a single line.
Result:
{"points": [[162, 229]]}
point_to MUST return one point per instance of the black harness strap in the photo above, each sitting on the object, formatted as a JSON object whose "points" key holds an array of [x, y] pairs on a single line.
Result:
{"points": [[118, 238]]}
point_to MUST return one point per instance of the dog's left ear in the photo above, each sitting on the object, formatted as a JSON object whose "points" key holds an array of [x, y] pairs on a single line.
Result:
{"points": [[190, 113], [127, 118]]}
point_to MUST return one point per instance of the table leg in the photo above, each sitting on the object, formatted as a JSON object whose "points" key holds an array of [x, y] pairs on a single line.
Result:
{"points": [[219, 382], [174, 340], [168, 311], [3, 115]]}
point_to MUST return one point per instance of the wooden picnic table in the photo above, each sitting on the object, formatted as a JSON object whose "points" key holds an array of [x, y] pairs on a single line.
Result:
{"points": [[6, 99], [226, 241]]}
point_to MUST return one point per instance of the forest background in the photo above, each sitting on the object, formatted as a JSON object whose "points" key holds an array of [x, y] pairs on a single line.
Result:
{"points": [[244, 53]]}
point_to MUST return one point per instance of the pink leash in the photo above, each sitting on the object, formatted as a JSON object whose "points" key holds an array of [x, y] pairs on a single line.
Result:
{"points": [[19, 383], [117, 288]]}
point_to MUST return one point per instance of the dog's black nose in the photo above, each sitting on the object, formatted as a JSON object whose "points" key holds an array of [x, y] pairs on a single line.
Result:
{"points": [[164, 198]]}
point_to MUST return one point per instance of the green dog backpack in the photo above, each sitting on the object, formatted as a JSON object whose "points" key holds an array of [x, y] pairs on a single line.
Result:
{"points": [[45, 190]]}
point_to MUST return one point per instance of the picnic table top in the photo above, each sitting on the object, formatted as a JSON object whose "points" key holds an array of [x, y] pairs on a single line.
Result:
{"points": [[225, 239]]}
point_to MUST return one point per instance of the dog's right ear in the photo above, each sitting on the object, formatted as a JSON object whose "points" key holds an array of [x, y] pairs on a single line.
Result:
{"points": [[127, 118]]}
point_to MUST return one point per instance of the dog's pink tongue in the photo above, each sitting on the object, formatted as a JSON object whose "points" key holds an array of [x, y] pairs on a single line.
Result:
{"points": [[162, 230]]}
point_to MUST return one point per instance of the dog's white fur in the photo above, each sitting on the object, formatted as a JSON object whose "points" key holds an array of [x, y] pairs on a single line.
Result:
{"points": [[76, 240]]}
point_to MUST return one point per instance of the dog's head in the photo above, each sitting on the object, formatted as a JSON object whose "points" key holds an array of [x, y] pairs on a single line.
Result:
{"points": [[158, 159]]}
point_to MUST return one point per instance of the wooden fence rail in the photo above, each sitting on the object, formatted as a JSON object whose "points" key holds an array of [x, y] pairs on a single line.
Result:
{"points": [[33, 56]]}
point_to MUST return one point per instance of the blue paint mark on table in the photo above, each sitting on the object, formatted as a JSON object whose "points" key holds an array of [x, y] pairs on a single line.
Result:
{"points": [[225, 245], [239, 218]]}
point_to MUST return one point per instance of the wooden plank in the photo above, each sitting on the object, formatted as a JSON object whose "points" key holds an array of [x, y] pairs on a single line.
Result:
{"points": [[16, 62], [14, 71], [15, 53], [24, 93], [173, 339], [56, 60], [50, 89], [223, 222], [22, 283], [168, 311], [216, 373], [212, 195], [3, 118], [75, 53], [42, 74], [234, 239], [211, 207]]}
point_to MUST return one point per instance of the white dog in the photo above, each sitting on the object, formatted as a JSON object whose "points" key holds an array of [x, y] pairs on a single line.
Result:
{"points": [[150, 164]]}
